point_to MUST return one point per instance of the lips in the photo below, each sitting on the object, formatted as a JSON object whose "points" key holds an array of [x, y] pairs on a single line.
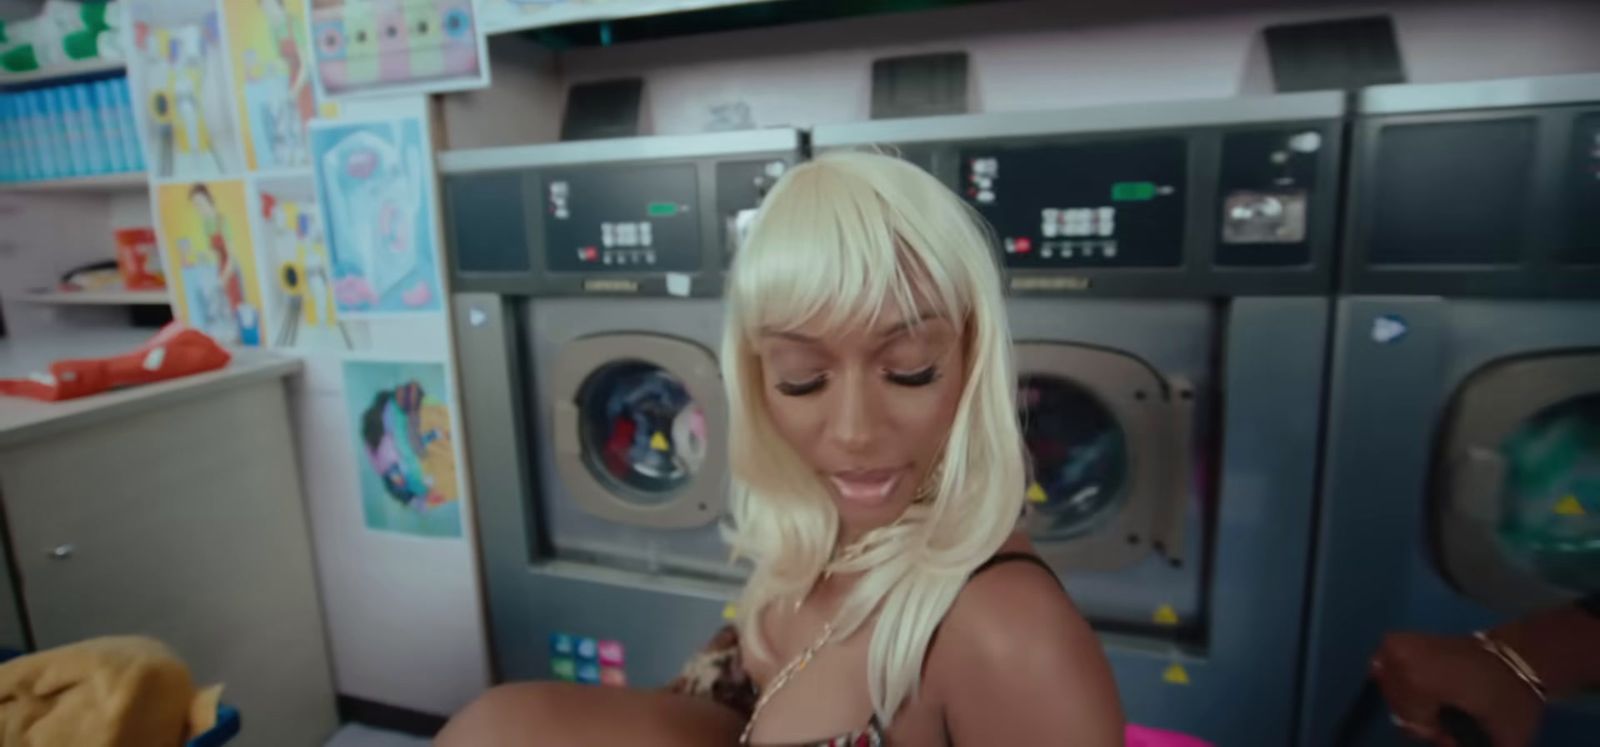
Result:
{"points": [[869, 487]]}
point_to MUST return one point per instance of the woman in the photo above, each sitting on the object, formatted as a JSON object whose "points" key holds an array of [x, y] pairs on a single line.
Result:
{"points": [[878, 476]]}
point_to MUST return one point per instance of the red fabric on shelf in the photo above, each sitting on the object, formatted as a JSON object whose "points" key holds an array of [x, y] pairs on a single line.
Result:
{"points": [[175, 351]]}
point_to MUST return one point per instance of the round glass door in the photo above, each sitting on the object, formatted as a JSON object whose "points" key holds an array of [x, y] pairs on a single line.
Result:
{"points": [[1079, 457], [641, 431], [1550, 499]]}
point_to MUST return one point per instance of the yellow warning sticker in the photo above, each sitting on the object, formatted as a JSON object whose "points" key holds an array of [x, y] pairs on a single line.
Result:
{"points": [[1036, 494], [1569, 506], [659, 442], [1165, 615], [730, 611], [1175, 675]]}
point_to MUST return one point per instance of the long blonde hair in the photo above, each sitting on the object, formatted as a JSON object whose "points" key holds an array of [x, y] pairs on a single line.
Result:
{"points": [[838, 239]]}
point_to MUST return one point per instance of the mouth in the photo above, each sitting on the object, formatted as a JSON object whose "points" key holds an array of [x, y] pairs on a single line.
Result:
{"points": [[867, 487]]}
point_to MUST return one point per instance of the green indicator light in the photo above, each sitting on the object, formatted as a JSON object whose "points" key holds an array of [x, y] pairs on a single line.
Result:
{"points": [[1133, 191], [662, 209]]}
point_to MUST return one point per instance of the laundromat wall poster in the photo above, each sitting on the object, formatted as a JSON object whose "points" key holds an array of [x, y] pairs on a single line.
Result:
{"points": [[293, 185]]}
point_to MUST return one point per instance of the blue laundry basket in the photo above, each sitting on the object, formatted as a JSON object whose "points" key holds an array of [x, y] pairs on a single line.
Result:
{"points": [[228, 719]]}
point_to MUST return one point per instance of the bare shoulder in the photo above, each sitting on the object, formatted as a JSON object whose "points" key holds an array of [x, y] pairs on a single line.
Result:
{"points": [[1016, 608], [1016, 658]]}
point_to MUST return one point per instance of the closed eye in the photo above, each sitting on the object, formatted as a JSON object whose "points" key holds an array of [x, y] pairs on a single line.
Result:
{"points": [[802, 388], [915, 378]]}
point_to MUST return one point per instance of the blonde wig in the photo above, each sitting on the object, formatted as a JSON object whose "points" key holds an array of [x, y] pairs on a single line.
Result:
{"points": [[837, 240]]}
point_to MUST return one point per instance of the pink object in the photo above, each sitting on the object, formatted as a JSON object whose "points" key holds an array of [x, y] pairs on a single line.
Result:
{"points": [[1144, 736], [610, 653], [354, 292], [417, 295]]}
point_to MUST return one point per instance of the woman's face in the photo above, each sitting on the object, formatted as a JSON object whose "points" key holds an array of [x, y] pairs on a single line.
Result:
{"points": [[868, 409], [202, 205]]}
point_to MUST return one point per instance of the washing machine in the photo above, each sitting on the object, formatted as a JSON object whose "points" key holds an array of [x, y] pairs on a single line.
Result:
{"points": [[587, 279], [1169, 268], [1462, 480]]}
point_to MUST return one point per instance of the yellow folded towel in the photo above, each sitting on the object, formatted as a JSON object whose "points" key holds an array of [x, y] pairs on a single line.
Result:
{"points": [[106, 692]]}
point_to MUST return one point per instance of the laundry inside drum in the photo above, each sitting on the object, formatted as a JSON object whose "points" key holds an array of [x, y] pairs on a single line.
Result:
{"points": [[1550, 500], [641, 431], [1078, 458]]}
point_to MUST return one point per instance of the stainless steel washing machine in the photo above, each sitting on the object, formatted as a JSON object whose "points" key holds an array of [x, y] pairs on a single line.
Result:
{"points": [[1170, 268], [586, 279], [1462, 478]]}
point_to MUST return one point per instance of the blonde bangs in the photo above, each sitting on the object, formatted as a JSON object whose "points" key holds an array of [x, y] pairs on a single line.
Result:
{"points": [[831, 250]]}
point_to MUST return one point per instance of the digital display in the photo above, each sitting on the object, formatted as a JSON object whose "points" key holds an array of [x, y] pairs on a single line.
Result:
{"points": [[633, 218], [1110, 204], [1450, 192]]}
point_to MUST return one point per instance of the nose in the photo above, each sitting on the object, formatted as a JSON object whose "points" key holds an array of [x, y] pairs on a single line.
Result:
{"points": [[854, 420]]}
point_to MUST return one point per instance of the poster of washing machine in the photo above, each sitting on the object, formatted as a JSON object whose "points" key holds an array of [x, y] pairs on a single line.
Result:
{"points": [[402, 422], [296, 270], [177, 72], [211, 267], [375, 193], [391, 47], [272, 78]]}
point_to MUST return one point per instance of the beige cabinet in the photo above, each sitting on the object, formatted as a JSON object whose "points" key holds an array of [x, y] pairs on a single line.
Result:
{"points": [[183, 522]]}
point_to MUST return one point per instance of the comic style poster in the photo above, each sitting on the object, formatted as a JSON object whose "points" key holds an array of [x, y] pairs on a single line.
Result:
{"points": [[391, 47], [211, 265], [271, 55], [181, 93], [375, 194], [400, 417]]}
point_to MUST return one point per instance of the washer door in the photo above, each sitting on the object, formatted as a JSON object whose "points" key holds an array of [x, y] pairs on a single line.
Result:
{"points": [[1108, 456], [1518, 512], [639, 429]]}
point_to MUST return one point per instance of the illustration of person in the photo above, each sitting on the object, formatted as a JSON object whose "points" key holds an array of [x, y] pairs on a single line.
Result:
{"points": [[288, 36], [407, 445], [214, 226]]}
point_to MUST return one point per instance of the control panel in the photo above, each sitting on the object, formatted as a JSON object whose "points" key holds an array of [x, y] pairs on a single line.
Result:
{"points": [[1476, 202], [657, 216], [1582, 243], [621, 218], [1108, 204]]}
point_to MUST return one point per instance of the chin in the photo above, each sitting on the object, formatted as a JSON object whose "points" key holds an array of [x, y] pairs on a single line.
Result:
{"points": [[868, 516]]}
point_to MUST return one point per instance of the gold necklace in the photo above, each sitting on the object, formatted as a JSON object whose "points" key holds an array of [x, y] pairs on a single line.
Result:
{"points": [[850, 553], [782, 678]]}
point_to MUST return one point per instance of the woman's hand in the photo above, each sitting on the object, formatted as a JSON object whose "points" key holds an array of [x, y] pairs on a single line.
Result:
{"points": [[1421, 673]]}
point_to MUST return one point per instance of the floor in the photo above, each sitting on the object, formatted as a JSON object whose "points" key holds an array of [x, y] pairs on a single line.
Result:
{"points": [[356, 735]]}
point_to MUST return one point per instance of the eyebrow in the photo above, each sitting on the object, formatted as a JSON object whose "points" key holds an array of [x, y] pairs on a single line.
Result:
{"points": [[888, 332]]}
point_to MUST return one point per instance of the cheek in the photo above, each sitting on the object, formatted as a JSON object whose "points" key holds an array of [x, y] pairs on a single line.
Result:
{"points": [[799, 420], [922, 417]]}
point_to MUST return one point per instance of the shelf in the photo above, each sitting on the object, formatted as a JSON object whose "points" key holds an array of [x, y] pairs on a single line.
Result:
{"points": [[63, 72], [98, 298], [98, 183]]}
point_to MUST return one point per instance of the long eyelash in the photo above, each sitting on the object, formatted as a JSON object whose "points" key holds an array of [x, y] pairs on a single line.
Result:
{"points": [[801, 389], [919, 378]]}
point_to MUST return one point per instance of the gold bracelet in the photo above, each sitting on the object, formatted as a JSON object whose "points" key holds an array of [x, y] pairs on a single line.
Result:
{"points": [[1514, 662]]}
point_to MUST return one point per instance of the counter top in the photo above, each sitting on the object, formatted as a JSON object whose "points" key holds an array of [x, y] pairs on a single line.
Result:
{"points": [[24, 419]]}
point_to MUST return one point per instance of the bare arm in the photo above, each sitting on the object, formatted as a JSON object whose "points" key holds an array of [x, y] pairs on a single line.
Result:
{"points": [[1562, 645], [1419, 673], [1016, 664], [548, 714]]}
